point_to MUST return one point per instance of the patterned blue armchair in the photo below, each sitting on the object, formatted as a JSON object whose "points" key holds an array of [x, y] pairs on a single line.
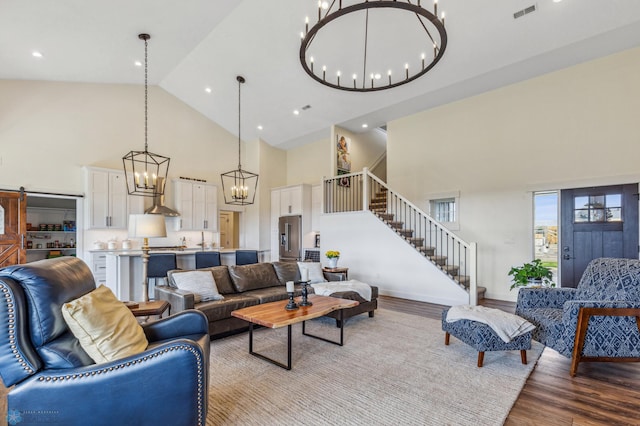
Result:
{"points": [[52, 378], [597, 321]]}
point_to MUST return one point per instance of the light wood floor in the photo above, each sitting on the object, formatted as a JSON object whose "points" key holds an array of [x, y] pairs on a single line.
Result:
{"points": [[600, 394]]}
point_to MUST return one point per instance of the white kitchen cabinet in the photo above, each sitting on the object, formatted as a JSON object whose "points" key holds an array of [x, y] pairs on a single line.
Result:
{"points": [[109, 205], [291, 200], [99, 267], [197, 203]]}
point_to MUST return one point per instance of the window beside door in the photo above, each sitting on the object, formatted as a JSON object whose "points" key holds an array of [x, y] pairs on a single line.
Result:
{"points": [[545, 229]]}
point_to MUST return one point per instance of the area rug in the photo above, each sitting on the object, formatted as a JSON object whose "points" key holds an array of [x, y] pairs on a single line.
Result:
{"points": [[394, 369]]}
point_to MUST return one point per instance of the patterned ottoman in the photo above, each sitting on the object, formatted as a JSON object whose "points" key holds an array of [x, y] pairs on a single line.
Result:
{"points": [[482, 338]]}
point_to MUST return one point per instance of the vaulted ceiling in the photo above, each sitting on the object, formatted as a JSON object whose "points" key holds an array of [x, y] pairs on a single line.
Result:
{"points": [[200, 44]]}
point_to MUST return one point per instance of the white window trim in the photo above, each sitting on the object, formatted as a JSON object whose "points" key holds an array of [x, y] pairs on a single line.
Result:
{"points": [[455, 195]]}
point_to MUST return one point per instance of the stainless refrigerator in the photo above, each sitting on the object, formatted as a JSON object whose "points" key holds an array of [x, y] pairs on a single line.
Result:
{"points": [[290, 232]]}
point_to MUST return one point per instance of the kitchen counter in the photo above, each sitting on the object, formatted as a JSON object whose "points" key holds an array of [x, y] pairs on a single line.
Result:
{"points": [[124, 268]]}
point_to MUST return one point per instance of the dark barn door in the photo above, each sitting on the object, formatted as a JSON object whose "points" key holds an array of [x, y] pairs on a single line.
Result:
{"points": [[596, 222]]}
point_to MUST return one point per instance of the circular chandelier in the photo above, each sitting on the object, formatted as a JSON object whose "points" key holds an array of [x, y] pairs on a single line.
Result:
{"points": [[358, 45]]}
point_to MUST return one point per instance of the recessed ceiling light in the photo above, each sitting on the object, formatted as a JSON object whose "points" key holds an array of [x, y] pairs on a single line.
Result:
{"points": [[365, 125], [557, 1], [36, 54], [377, 76], [137, 63], [296, 112], [259, 127], [207, 89], [325, 5]]}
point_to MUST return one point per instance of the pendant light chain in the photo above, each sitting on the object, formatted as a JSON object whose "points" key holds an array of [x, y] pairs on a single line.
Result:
{"points": [[146, 96], [240, 81]]}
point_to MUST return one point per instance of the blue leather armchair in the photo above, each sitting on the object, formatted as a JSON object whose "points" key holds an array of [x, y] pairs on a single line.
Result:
{"points": [[597, 321], [55, 381]]}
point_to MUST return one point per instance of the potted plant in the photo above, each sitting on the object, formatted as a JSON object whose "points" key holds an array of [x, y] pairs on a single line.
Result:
{"points": [[531, 274], [333, 257]]}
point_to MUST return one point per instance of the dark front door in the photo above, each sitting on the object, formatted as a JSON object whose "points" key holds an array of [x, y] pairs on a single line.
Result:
{"points": [[13, 214], [596, 222]]}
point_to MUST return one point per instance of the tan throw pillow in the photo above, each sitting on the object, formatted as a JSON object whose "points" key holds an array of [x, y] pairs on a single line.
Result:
{"points": [[105, 327], [200, 283]]}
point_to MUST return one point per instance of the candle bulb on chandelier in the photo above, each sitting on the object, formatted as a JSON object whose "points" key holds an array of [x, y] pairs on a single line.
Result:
{"points": [[389, 74], [406, 69], [306, 24], [338, 75], [319, 9], [423, 61], [146, 180], [371, 79], [311, 61], [324, 72], [442, 19], [137, 178], [435, 8], [354, 80]]}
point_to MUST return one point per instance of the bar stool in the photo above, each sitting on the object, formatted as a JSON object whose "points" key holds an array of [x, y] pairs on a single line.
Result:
{"points": [[246, 257], [207, 259], [159, 265]]}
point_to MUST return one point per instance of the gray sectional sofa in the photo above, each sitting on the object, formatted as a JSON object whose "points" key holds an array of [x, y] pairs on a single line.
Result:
{"points": [[249, 285]]}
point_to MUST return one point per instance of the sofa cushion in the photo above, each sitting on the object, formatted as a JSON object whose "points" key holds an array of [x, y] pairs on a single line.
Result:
{"points": [[220, 276], [105, 327], [253, 277], [269, 294], [221, 309], [47, 286], [315, 271], [286, 271], [200, 283]]}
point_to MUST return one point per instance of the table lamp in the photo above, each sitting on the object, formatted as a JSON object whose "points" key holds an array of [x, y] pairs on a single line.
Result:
{"points": [[146, 226]]}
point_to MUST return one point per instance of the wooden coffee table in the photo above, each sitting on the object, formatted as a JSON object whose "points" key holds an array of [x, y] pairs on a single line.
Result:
{"points": [[274, 315]]}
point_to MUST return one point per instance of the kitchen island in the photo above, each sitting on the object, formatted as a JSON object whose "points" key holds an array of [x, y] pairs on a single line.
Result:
{"points": [[124, 268]]}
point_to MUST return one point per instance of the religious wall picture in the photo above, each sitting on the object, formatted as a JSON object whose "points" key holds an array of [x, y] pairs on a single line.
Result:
{"points": [[344, 161]]}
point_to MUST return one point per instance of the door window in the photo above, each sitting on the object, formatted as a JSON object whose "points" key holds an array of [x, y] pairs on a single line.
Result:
{"points": [[597, 208]]}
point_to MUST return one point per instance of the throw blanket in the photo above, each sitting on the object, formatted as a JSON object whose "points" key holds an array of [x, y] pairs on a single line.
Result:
{"points": [[506, 325], [328, 288]]}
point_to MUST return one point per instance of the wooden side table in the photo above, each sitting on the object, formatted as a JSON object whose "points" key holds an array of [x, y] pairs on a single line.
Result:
{"points": [[152, 307], [339, 271]]}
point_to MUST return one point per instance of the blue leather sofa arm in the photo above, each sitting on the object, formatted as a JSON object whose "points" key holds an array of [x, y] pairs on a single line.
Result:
{"points": [[190, 322], [122, 392]]}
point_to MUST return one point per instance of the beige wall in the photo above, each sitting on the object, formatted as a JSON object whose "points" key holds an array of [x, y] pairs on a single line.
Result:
{"points": [[572, 128], [309, 163], [50, 130]]}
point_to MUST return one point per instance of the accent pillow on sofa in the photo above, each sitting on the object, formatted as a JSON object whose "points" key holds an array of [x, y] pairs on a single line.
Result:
{"points": [[315, 271], [200, 283], [105, 327]]}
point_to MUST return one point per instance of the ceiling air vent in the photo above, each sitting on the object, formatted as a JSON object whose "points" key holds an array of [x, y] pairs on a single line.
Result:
{"points": [[525, 11]]}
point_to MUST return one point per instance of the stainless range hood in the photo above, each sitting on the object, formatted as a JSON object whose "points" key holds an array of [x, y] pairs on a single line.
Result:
{"points": [[158, 204]]}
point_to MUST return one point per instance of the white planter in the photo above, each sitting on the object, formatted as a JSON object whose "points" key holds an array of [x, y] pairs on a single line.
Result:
{"points": [[333, 262]]}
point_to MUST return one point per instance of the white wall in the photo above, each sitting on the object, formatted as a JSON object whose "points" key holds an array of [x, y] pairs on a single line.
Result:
{"points": [[572, 128], [378, 256]]}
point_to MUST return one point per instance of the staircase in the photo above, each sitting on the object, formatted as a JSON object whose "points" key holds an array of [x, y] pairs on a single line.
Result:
{"points": [[449, 253], [378, 205]]}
